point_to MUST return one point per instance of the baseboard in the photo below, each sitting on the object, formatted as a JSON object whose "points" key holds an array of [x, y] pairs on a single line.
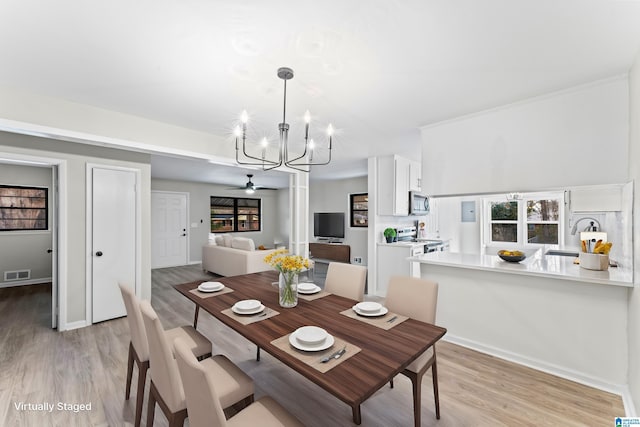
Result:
{"points": [[627, 401], [13, 283], [75, 325], [619, 389], [195, 262]]}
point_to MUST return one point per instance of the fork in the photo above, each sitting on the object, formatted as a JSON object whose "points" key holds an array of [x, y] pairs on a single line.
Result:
{"points": [[334, 355]]}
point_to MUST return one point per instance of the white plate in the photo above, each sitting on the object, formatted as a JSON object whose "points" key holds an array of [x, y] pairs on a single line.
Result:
{"points": [[328, 342], [381, 312], [311, 335], [254, 311], [309, 292], [306, 286], [247, 305], [210, 287], [369, 307]]}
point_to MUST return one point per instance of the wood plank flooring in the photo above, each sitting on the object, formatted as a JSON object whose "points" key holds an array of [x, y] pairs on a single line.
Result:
{"points": [[88, 365]]}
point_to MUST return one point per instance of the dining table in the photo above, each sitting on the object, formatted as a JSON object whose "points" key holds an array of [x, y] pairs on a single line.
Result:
{"points": [[378, 354]]}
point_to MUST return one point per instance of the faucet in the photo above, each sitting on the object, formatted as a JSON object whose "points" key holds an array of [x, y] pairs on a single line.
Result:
{"points": [[591, 226]]}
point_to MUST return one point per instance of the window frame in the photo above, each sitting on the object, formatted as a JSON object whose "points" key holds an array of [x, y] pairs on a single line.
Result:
{"points": [[235, 215], [522, 221], [352, 211], [45, 190]]}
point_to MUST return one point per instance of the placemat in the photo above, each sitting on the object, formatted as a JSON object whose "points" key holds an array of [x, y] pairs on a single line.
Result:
{"points": [[195, 291], [383, 322], [311, 297], [312, 358], [247, 319]]}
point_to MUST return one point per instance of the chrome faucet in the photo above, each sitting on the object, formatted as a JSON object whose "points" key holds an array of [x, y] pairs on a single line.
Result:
{"points": [[591, 226]]}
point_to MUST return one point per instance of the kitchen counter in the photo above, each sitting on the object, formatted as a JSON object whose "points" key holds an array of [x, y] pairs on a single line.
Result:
{"points": [[536, 264]]}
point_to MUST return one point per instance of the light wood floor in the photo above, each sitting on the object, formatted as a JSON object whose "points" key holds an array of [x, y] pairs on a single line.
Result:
{"points": [[86, 365]]}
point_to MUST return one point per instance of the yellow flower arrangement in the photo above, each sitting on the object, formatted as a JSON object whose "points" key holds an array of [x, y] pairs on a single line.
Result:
{"points": [[289, 267], [284, 263]]}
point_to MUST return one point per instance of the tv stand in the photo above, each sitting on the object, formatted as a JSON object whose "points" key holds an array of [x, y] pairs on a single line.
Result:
{"points": [[327, 252]]}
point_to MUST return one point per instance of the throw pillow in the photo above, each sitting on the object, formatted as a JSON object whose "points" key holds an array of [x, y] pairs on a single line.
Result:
{"points": [[243, 243]]}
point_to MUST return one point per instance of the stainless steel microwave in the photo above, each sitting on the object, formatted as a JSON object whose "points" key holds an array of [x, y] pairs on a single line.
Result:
{"points": [[418, 203]]}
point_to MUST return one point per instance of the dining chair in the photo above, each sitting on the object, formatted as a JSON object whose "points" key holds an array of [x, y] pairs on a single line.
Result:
{"points": [[204, 403], [236, 387], [139, 348], [416, 298], [346, 280]]}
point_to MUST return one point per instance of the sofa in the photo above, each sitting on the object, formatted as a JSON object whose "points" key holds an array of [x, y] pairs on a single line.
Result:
{"points": [[233, 256]]}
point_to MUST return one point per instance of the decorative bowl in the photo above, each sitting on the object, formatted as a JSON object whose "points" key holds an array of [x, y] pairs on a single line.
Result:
{"points": [[511, 256]]}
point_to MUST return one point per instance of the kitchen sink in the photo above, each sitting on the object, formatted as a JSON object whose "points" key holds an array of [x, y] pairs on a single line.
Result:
{"points": [[561, 253]]}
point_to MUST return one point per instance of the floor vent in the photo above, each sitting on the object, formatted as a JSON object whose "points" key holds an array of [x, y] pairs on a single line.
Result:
{"points": [[17, 275]]}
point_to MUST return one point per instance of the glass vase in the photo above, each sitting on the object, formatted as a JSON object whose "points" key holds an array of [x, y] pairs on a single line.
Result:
{"points": [[288, 289]]}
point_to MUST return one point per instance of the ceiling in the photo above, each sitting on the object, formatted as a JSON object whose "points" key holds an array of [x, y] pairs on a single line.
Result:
{"points": [[376, 69]]}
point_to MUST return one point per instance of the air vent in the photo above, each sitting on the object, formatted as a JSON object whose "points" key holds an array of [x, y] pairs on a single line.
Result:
{"points": [[17, 275]]}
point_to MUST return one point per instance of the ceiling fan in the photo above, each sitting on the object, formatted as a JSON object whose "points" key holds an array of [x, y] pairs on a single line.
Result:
{"points": [[250, 187]]}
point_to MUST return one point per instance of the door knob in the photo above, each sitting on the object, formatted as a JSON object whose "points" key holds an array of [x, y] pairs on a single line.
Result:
{"points": [[49, 250], [184, 234], [99, 253]]}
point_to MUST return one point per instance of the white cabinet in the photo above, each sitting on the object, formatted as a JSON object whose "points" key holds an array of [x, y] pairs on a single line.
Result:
{"points": [[415, 176], [606, 198], [393, 186]]}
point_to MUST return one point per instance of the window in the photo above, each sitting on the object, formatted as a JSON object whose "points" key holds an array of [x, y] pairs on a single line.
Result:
{"points": [[235, 214], [530, 220], [23, 208], [359, 209]]}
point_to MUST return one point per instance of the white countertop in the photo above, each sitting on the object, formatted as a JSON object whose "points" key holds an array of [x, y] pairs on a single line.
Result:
{"points": [[537, 264]]}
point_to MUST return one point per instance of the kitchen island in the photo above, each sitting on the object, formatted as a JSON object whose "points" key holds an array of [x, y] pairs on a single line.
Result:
{"points": [[544, 312]]}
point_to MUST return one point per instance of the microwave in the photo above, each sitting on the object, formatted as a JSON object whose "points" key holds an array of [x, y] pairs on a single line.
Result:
{"points": [[418, 203]]}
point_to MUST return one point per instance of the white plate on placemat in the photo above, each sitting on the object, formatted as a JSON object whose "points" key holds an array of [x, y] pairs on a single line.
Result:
{"points": [[256, 310], [311, 335], [210, 287], [328, 342], [368, 307], [381, 312], [247, 306], [308, 288]]}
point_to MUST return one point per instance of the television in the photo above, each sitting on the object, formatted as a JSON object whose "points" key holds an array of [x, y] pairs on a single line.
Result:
{"points": [[328, 224]]}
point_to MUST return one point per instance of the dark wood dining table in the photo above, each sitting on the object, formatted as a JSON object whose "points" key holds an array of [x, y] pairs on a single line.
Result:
{"points": [[383, 355]]}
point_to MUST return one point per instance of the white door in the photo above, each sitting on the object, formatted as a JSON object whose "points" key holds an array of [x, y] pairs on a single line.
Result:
{"points": [[113, 239], [169, 229]]}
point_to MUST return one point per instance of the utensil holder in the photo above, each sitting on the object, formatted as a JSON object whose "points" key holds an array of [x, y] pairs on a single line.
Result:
{"points": [[594, 261]]}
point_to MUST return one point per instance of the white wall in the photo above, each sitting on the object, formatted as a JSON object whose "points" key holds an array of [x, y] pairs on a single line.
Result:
{"points": [[77, 156], [199, 212], [22, 250], [634, 294], [575, 137], [333, 196]]}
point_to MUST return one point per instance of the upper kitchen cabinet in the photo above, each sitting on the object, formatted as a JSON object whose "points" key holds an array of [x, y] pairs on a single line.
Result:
{"points": [[393, 185], [415, 176], [601, 198]]}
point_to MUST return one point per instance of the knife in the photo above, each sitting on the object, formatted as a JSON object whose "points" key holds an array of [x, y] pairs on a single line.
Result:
{"points": [[334, 355], [393, 319]]}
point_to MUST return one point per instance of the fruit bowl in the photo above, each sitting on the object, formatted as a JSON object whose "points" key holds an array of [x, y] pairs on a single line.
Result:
{"points": [[511, 256]]}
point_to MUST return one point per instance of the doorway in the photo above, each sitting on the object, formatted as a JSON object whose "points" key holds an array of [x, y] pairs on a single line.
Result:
{"points": [[169, 236]]}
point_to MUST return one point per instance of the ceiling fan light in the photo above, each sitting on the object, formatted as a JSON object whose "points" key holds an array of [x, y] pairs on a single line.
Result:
{"points": [[249, 190]]}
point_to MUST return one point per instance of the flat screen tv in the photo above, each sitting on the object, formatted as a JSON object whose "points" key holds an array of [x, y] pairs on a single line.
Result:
{"points": [[328, 224]]}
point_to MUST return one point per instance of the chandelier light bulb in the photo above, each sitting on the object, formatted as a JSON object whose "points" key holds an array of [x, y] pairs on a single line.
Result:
{"points": [[244, 117], [307, 117], [237, 132], [330, 130], [264, 142], [311, 144]]}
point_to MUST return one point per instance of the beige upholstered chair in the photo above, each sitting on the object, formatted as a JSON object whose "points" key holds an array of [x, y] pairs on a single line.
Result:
{"points": [[346, 280], [139, 349], [236, 388], [417, 299], [202, 391]]}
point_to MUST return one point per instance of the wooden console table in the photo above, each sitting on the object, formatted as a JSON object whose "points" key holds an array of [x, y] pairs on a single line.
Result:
{"points": [[330, 252]]}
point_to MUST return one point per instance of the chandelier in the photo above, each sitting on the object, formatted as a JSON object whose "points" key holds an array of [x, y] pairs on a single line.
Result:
{"points": [[302, 162]]}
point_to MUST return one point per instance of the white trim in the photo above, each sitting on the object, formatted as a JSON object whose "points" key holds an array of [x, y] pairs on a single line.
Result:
{"points": [[25, 282], [187, 219], [540, 365], [76, 325], [89, 234], [62, 223], [627, 401]]}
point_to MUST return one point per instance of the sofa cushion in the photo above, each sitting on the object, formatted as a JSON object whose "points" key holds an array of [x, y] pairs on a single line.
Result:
{"points": [[243, 243], [219, 240], [228, 238]]}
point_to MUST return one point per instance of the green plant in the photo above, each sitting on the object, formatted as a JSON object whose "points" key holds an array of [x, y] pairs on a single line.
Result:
{"points": [[389, 232]]}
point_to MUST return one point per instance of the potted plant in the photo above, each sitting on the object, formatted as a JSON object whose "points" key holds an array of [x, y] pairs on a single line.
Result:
{"points": [[390, 234]]}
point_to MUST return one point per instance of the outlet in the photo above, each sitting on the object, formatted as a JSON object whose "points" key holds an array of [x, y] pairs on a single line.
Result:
{"points": [[357, 260]]}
